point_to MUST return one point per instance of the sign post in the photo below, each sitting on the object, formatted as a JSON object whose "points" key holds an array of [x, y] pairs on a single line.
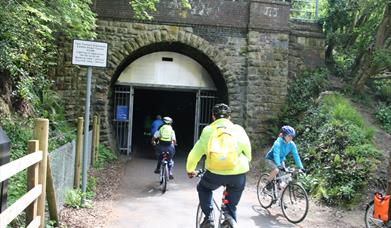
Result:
{"points": [[90, 54]]}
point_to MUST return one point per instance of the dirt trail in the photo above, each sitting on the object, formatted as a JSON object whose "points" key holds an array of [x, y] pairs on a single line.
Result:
{"points": [[382, 139]]}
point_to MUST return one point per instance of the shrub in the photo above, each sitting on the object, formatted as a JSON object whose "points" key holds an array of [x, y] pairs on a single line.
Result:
{"points": [[105, 156], [382, 89], [302, 93], [73, 199], [337, 150], [383, 115]]}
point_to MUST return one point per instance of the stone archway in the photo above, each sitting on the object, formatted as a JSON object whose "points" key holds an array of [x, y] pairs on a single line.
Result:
{"points": [[118, 58]]}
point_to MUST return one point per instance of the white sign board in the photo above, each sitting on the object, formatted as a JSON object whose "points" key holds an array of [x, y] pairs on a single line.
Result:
{"points": [[89, 53]]}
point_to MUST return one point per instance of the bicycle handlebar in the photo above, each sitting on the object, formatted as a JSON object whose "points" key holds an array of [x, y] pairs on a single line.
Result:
{"points": [[200, 172]]}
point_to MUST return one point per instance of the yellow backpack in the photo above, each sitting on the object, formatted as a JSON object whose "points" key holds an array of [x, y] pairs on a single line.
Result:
{"points": [[222, 151]]}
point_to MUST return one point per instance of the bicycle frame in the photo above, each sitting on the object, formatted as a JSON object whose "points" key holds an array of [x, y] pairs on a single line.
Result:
{"points": [[285, 196], [164, 171], [223, 214]]}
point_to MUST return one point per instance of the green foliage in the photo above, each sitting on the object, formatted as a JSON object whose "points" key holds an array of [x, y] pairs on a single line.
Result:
{"points": [[302, 93], [351, 27], [143, 8], [105, 156], [91, 187], [383, 115], [382, 90], [336, 148], [52, 224], [73, 199], [306, 10], [20, 131], [28, 31]]}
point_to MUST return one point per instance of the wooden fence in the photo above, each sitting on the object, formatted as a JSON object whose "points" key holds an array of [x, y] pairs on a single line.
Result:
{"points": [[33, 202]]}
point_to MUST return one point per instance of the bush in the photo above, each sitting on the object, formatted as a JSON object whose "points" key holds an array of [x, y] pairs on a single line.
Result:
{"points": [[337, 149], [73, 197], [20, 131], [383, 115], [302, 94], [382, 89], [105, 156]]}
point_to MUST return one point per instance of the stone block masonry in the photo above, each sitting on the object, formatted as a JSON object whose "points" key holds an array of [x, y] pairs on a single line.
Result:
{"points": [[252, 48]]}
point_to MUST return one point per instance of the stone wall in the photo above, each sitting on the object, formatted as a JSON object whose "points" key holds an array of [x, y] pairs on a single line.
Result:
{"points": [[306, 47], [125, 38], [252, 56], [226, 13]]}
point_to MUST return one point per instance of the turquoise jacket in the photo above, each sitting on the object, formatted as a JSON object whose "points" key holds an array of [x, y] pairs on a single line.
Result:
{"points": [[281, 149]]}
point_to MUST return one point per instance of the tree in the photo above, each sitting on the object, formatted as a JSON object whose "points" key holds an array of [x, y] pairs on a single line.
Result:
{"points": [[376, 58], [29, 30], [358, 39]]}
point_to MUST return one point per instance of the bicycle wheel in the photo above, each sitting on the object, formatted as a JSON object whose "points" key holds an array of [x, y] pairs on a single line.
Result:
{"points": [[294, 203], [228, 222], [200, 215], [265, 197], [164, 177], [370, 221]]}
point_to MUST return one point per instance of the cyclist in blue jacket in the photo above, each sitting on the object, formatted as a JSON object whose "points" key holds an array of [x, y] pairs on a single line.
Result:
{"points": [[281, 148]]}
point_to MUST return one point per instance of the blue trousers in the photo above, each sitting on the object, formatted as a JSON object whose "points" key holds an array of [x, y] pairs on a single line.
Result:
{"points": [[210, 182], [160, 148]]}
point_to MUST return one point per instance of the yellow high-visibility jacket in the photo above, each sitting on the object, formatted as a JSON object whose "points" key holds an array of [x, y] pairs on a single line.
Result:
{"points": [[201, 147]]}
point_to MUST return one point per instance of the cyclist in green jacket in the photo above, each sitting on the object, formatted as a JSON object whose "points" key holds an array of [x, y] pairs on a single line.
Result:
{"points": [[234, 178]]}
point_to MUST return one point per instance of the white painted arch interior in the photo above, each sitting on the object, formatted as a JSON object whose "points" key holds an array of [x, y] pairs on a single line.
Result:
{"points": [[166, 69]]}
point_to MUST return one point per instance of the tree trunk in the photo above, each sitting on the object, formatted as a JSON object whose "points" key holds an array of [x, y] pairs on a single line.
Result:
{"points": [[330, 62], [364, 69]]}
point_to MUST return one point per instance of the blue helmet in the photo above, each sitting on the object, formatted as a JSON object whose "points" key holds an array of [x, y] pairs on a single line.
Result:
{"points": [[288, 130]]}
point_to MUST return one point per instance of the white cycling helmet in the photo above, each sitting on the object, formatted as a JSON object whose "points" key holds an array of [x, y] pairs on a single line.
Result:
{"points": [[167, 120]]}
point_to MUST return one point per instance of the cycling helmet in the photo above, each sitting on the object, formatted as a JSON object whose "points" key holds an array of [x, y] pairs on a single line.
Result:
{"points": [[288, 130], [221, 111], [167, 120]]}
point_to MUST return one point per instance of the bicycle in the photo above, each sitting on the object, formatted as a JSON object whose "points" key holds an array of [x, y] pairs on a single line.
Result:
{"points": [[370, 221], [224, 220], [164, 172], [292, 198]]}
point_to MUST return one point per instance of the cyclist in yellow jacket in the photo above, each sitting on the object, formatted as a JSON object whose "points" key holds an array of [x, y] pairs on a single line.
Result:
{"points": [[232, 175], [166, 138]]}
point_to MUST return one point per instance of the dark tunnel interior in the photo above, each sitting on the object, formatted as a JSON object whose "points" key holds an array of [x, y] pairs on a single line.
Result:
{"points": [[178, 105]]}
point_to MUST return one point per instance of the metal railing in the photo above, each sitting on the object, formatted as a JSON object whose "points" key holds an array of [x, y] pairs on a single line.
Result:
{"points": [[305, 10]]}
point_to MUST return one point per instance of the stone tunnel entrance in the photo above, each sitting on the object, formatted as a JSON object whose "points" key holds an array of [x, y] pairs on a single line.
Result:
{"points": [[166, 83]]}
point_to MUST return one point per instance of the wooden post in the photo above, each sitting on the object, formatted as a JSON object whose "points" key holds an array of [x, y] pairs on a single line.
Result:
{"points": [[79, 148], [97, 140], [41, 133], [51, 195], [32, 181], [93, 145], [389, 175]]}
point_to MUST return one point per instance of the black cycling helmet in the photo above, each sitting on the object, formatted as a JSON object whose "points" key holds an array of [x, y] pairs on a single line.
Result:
{"points": [[221, 111]]}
